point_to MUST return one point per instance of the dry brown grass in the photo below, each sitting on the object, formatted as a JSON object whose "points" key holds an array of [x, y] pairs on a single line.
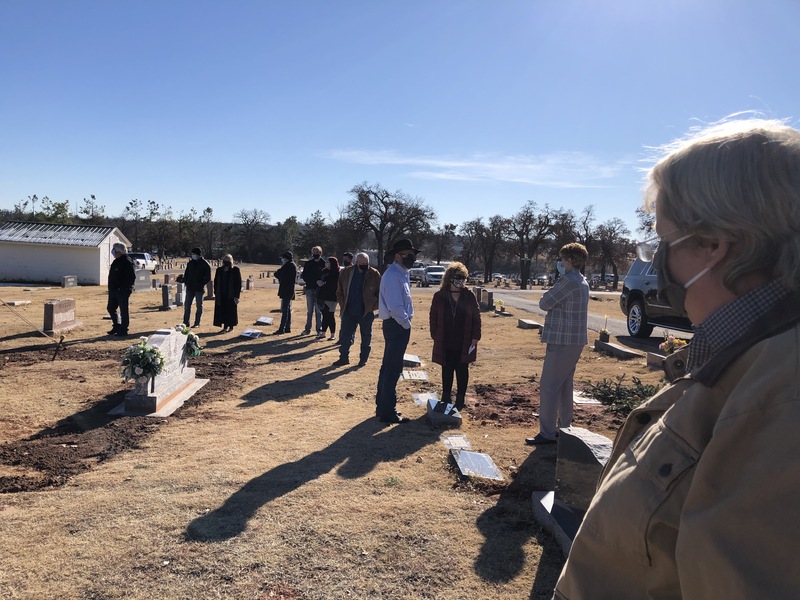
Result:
{"points": [[277, 483]]}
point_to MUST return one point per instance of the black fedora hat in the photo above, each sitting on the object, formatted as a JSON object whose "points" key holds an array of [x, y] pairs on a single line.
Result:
{"points": [[401, 246]]}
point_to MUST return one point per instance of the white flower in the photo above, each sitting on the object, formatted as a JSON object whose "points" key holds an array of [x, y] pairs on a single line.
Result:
{"points": [[138, 370]]}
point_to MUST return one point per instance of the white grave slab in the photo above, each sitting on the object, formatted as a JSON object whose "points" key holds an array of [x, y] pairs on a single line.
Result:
{"points": [[415, 375], [476, 464], [411, 360], [456, 441], [251, 333], [579, 398], [262, 320]]}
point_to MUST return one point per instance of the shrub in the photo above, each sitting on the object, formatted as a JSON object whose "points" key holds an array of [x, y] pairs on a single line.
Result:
{"points": [[621, 398]]}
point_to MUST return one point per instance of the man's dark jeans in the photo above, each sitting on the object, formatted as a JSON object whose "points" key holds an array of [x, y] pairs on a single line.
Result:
{"points": [[349, 325], [187, 310], [396, 338], [286, 315], [118, 299]]}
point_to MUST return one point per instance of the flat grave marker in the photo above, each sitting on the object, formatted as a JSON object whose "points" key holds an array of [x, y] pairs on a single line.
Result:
{"points": [[415, 375], [251, 333]]}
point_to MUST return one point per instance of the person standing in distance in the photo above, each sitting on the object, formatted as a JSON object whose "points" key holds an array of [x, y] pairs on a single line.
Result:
{"points": [[396, 310], [358, 300], [195, 278], [121, 280], [311, 274], [287, 278], [347, 260], [564, 332]]}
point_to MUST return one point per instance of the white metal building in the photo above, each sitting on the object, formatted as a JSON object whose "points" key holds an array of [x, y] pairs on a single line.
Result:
{"points": [[45, 252]]}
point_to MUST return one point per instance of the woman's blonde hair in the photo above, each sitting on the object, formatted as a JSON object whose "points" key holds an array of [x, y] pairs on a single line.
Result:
{"points": [[454, 269], [229, 258], [737, 180]]}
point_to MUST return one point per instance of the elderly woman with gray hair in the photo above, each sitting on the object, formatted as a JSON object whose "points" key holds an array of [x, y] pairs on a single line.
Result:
{"points": [[700, 496]]}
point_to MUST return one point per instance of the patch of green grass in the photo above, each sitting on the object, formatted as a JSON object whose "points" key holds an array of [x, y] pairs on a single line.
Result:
{"points": [[391, 481]]}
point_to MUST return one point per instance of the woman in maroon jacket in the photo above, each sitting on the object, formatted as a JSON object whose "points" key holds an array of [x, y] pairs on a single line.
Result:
{"points": [[455, 328]]}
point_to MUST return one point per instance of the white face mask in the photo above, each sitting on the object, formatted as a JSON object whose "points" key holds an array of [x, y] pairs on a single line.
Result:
{"points": [[283, 261], [195, 257]]}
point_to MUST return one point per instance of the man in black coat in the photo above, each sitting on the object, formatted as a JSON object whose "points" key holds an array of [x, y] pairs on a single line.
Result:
{"points": [[121, 280], [287, 277], [195, 278], [312, 271]]}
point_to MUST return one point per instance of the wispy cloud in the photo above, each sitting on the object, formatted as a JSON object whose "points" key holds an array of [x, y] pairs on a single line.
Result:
{"points": [[558, 170]]}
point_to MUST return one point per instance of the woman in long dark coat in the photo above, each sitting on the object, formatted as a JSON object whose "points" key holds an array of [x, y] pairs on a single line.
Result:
{"points": [[227, 288], [326, 297], [455, 322]]}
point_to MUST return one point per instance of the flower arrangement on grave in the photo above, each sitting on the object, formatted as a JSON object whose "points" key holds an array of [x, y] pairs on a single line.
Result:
{"points": [[142, 360], [499, 305], [193, 346], [671, 344], [604, 332]]}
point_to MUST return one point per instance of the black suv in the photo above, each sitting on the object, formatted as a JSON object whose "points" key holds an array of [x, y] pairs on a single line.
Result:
{"points": [[639, 302]]}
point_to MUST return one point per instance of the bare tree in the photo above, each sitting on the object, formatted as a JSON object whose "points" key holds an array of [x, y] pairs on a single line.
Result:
{"points": [[470, 232], [647, 222], [208, 232], [250, 228], [491, 238], [530, 230], [614, 245], [388, 216], [443, 240], [316, 232]]}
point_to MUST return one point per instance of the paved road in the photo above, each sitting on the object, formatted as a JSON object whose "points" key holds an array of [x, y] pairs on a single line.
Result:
{"points": [[529, 300]]}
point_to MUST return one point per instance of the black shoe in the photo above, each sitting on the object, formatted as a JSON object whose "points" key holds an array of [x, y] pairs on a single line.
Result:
{"points": [[539, 440], [361, 363], [113, 331], [395, 418], [279, 332], [306, 332], [121, 333], [341, 362]]}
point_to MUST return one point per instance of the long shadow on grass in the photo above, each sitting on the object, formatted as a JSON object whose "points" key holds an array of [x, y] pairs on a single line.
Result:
{"points": [[289, 389], [357, 452], [509, 525]]}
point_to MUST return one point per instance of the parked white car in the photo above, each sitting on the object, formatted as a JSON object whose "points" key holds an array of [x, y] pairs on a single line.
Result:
{"points": [[433, 275], [416, 272], [142, 260]]}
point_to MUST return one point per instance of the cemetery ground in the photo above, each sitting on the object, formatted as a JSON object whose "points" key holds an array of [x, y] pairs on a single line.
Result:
{"points": [[275, 480]]}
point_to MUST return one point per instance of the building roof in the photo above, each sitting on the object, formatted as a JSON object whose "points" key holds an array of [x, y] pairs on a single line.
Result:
{"points": [[57, 234]]}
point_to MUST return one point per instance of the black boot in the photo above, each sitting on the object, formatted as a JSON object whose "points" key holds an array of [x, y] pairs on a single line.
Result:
{"points": [[459, 401]]}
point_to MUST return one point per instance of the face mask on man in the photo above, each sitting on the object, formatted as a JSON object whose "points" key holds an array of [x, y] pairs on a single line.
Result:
{"points": [[346, 262], [408, 261], [560, 268], [283, 261], [363, 268], [195, 257], [670, 291], [316, 256]]}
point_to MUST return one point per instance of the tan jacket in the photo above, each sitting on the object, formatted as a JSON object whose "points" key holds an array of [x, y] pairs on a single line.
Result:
{"points": [[372, 284], [701, 496]]}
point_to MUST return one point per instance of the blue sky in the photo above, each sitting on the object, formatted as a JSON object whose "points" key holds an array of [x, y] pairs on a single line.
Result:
{"points": [[474, 106]]}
